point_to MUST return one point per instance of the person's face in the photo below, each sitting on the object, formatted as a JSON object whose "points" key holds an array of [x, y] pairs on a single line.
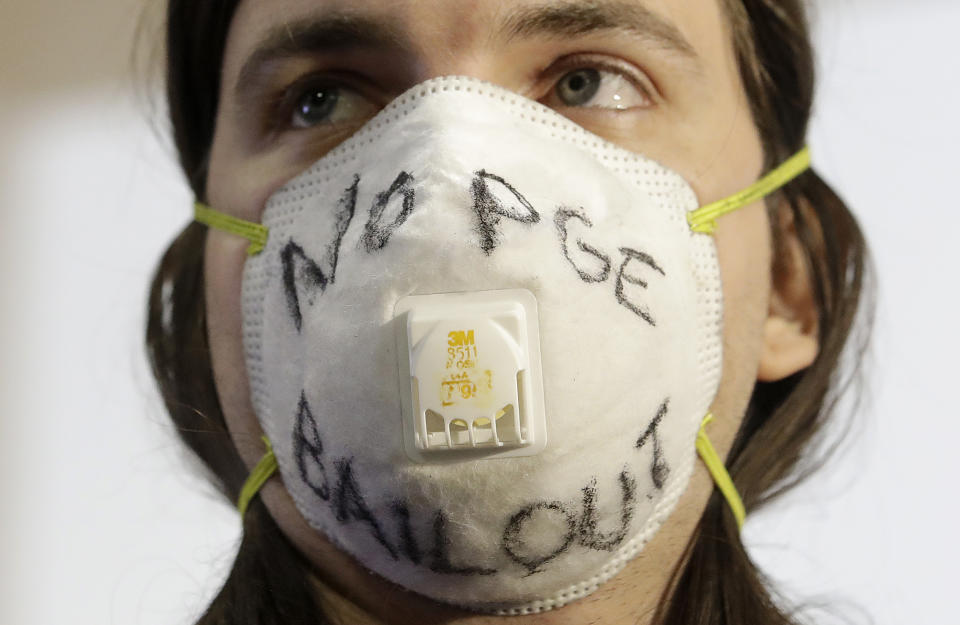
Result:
{"points": [[299, 76]]}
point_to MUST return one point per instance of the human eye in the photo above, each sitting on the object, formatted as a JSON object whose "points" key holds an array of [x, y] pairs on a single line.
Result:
{"points": [[320, 102], [592, 84]]}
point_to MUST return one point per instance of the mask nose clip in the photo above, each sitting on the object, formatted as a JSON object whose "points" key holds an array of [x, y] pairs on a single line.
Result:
{"points": [[470, 371]]}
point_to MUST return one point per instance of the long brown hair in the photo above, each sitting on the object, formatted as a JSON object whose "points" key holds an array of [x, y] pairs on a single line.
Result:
{"points": [[715, 581]]}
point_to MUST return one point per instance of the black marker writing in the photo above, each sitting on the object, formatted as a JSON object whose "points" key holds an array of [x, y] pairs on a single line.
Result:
{"points": [[532, 538], [489, 208], [527, 542], [601, 273], [302, 272], [624, 276], [517, 544], [299, 268], [378, 230], [590, 534], [307, 443], [349, 504], [441, 548], [658, 466], [408, 544]]}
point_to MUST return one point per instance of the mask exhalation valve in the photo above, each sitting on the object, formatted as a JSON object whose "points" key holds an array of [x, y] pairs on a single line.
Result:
{"points": [[470, 374]]}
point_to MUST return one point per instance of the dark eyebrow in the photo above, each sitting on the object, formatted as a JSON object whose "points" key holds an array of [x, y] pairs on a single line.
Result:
{"points": [[330, 33], [574, 18]]}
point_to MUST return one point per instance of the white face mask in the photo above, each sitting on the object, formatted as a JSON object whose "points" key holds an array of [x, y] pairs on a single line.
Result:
{"points": [[510, 447]]}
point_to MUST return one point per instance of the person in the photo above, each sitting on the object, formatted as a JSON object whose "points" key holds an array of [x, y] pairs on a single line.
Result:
{"points": [[717, 91]]}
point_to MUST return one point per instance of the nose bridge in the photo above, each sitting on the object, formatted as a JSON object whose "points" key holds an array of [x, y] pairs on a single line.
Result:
{"points": [[457, 139], [450, 128], [456, 144], [465, 136], [455, 38], [474, 137], [463, 61]]}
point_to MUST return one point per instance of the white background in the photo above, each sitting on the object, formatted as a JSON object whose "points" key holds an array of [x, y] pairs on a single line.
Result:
{"points": [[103, 519]]}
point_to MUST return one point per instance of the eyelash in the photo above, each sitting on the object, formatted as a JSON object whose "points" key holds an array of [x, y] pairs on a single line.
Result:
{"points": [[282, 107], [563, 66]]}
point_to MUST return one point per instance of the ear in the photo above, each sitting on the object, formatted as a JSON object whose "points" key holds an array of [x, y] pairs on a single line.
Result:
{"points": [[791, 332]]}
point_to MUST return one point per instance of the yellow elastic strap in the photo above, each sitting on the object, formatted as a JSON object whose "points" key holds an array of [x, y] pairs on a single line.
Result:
{"points": [[704, 219], [253, 232], [719, 472], [265, 468]]}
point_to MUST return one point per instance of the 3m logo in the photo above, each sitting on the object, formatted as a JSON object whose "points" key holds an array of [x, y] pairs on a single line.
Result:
{"points": [[460, 338]]}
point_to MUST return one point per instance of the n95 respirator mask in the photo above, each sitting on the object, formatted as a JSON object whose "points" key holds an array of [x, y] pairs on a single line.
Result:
{"points": [[481, 341]]}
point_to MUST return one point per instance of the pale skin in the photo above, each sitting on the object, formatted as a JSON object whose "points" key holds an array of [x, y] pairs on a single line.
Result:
{"points": [[682, 104]]}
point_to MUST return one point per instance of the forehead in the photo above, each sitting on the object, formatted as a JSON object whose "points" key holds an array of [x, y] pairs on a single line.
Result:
{"points": [[427, 29]]}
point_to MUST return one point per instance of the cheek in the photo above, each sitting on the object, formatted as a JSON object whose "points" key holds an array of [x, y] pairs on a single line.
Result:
{"points": [[223, 272], [743, 249]]}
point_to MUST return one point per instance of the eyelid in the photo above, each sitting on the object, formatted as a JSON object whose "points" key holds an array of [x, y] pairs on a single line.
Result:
{"points": [[283, 104], [635, 76]]}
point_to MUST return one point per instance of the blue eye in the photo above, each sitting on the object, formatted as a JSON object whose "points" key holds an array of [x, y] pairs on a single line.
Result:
{"points": [[598, 88], [578, 87], [328, 105], [315, 106]]}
